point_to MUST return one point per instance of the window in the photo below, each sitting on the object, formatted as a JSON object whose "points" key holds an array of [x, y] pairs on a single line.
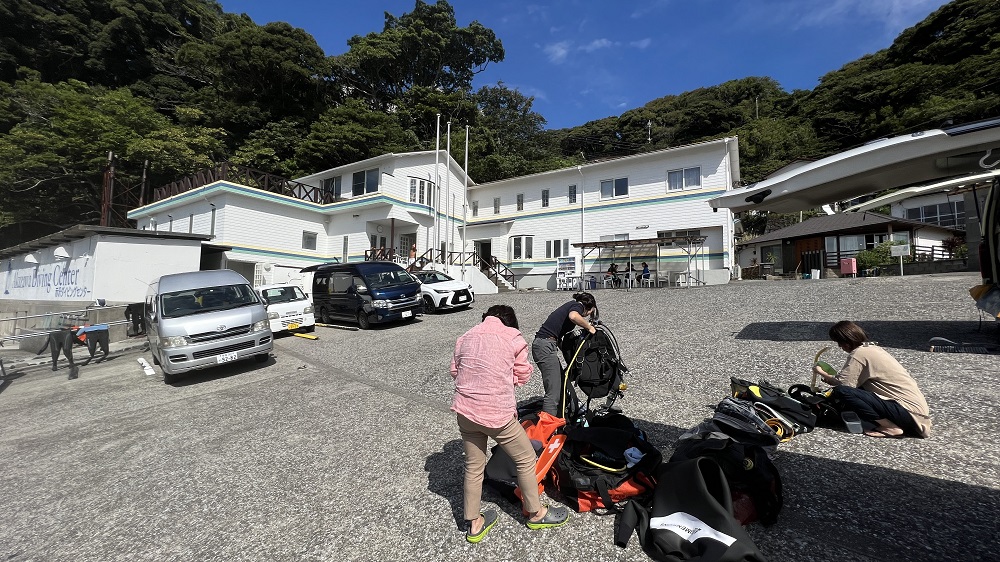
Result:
{"points": [[687, 178], [614, 188], [572, 194], [413, 190], [520, 247], [613, 237], [332, 188], [943, 214], [545, 198], [475, 208], [520, 201], [308, 240], [496, 205], [556, 248], [364, 182]]}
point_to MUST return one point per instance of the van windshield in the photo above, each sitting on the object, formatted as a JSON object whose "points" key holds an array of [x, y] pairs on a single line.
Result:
{"points": [[388, 278], [206, 299], [277, 295]]}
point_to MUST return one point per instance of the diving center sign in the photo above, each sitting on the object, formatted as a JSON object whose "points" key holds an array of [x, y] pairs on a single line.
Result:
{"points": [[58, 281]]}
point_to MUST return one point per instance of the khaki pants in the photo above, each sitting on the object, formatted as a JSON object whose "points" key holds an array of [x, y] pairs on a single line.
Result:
{"points": [[514, 441]]}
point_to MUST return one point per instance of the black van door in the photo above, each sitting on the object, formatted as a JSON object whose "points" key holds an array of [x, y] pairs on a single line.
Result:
{"points": [[342, 298]]}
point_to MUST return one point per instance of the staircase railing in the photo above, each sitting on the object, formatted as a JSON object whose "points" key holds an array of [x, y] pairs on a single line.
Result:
{"points": [[491, 266], [249, 177]]}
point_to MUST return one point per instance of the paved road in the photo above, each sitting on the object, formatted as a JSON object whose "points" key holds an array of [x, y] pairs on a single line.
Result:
{"points": [[344, 448]]}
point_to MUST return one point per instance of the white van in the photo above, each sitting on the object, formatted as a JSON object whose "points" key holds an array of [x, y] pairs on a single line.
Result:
{"points": [[202, 319], [288, 308]]}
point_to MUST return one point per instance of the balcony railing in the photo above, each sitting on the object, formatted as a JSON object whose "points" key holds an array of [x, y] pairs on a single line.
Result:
{"points": [[249, 177]]}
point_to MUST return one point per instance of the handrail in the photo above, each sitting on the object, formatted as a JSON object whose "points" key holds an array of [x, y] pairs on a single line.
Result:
{"points": [[249, 177], [380, 254]]}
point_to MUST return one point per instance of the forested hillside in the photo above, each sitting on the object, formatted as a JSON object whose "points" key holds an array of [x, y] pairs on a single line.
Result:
{"points": [[172, 86]]}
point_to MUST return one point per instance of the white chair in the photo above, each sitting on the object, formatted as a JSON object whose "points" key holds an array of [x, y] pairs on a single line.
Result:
{"points": [[609, 282], [647, 281]]}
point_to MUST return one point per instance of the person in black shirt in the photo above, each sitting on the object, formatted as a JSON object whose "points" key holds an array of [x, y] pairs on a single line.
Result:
{"points": [[545, 347]]}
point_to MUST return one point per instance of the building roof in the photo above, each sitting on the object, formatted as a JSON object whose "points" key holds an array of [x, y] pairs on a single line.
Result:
{"points": [[81, 231], [843, 222]]}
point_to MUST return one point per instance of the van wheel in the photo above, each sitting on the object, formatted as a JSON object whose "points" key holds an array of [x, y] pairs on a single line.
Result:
{"points": [[324, 315], [168, 378], [262, 357], [155, 360], [363, 322], [428, 306], [309, 329]]}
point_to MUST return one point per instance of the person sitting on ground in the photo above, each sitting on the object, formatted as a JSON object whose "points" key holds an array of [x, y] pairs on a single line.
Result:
{"points": [[545, 347], [489, 361], [876, 387]]}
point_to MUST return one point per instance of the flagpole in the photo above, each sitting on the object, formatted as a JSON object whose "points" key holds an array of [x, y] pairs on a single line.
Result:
{"points": [[437, 179], [465, 199], [448, 239]]}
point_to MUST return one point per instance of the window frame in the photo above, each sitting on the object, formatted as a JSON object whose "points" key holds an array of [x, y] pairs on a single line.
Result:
{"points": [[684, 186], [571, 194], [616, 191], [475, 209], [521, 247], [520, 201], [545, 198], [305, 236], [496, 205]]}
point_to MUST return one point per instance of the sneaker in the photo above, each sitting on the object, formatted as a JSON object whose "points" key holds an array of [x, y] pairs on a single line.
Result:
{"points": [[489, 520], [554, 517]]}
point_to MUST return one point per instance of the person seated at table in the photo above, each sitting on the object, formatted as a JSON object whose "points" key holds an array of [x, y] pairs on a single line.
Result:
{"points": [[645, 271], [612, 274], [629, 274]]}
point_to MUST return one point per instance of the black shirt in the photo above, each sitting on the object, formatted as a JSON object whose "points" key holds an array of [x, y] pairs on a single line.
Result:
{"points": [[558, 323]]}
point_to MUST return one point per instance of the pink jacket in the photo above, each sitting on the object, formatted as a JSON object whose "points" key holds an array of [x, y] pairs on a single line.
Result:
{"points": [[490, 360]]}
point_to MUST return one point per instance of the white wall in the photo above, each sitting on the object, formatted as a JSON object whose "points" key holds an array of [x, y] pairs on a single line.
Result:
{"points": [[125, 266], [115, 268]]}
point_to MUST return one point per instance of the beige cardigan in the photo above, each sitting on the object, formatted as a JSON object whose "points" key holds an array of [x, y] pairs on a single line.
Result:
{"points": [[871, 368]]}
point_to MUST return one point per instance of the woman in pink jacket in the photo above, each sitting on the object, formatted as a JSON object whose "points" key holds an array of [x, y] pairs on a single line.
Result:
{"points": [[490, 360]]}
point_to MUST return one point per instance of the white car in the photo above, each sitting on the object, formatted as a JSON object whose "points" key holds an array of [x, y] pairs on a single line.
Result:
{"points": [[440, 291], [288, 308]]}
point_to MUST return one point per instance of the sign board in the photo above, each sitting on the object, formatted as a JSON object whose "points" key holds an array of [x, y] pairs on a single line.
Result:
{"points": [[899, 251]]}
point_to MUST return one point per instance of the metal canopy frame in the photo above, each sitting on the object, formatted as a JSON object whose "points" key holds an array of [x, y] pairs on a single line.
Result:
{"points": [[693, 246]]}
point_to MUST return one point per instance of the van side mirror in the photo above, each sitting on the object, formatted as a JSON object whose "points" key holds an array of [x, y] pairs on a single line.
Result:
{"points": [[361, 289]]}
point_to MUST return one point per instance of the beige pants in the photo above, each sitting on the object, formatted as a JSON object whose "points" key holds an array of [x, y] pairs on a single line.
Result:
{"points": [[514, 441]]}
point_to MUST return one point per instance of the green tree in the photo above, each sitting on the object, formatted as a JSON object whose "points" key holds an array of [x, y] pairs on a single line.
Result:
{"points": [[350, 133], [424, 47], [52, 159]]}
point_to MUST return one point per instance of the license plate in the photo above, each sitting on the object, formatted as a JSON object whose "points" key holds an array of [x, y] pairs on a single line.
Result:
{"points": [[293, 326], [407, 313], [459, 299], [225, 357]]}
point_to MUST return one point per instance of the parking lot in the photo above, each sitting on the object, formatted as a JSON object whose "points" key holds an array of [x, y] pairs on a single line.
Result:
{"points": [[344, 448]]}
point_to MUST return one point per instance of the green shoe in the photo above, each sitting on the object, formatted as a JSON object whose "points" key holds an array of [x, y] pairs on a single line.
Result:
{"points": [[489, 520], [554, 517]]}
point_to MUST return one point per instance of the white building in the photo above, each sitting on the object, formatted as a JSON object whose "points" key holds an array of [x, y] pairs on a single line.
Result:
{"points": [[524, 223]]}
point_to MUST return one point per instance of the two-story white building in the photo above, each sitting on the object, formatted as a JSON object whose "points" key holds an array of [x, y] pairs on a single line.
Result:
{"points": [[384, 205]]}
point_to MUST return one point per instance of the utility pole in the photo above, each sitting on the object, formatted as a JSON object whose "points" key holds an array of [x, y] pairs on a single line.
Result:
{"points": [[109, 189]]}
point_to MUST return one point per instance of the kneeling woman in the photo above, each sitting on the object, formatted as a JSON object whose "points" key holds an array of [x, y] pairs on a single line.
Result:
{"points": [[876, 387]]}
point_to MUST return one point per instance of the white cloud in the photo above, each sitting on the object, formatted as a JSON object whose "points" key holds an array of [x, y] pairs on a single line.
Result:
{"points": [[557, 52], [894, 15], [641, 43], [596, 44]]}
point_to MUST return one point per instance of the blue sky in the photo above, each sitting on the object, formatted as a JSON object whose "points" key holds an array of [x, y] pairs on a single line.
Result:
{"points": [[588, 59]]}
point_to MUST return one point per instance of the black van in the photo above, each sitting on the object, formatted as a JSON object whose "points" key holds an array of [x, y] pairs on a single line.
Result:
{"points": [[368, 292]]}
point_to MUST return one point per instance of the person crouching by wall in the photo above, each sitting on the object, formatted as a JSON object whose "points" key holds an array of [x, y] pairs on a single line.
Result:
{"points": [[876, 387], [489, 361]]}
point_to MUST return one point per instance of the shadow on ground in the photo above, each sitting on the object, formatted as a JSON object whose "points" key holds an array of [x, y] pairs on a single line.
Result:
{"points": [[848, 509], [901, 334]]}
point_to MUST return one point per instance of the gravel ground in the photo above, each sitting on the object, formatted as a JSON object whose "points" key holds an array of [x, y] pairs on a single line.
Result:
{"points": [[344, 448]]}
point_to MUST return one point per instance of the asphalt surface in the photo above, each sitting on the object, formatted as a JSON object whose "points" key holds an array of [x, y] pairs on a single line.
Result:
{"points": [[344, 448]]}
